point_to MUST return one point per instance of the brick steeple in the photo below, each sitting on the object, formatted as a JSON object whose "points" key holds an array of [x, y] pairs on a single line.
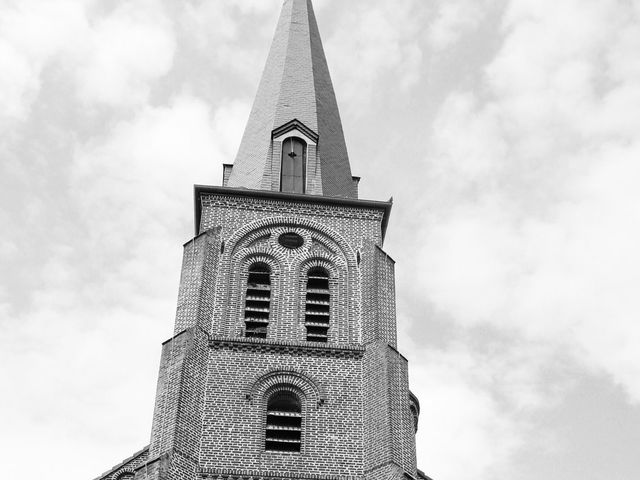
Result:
{"points": [[295, 95], [284, 361]]}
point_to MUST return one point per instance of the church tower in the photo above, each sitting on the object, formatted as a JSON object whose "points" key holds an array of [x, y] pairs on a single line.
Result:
{"points": [[284, 363]]}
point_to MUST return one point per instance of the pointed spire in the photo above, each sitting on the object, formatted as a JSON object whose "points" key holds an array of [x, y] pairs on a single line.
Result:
{"points": [[295, 95]]}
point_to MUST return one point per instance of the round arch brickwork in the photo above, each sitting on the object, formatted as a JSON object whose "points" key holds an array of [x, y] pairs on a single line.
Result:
{"points": [[125, 474], [321, 245], [238, 288], [309, 392], [310, 389], [339, 315], [284, 221]]}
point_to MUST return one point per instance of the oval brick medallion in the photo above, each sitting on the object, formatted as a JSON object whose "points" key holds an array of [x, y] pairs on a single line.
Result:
{"points": [[290, 240]]}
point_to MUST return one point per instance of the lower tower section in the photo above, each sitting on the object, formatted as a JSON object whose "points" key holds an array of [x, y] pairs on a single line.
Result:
{"points": [[272, 410], [254, 404]]}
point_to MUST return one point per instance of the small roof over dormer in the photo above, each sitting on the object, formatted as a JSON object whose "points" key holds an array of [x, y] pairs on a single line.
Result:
{"points": [[295, 126], [295, 92]]}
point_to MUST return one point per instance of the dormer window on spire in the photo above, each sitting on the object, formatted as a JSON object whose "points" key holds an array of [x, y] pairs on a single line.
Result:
{"points": [[293, 170]]}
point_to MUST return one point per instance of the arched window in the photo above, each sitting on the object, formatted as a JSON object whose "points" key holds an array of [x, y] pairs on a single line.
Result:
{"points": [[257, 301], [317, 305], [294, 155], [284, 422]]}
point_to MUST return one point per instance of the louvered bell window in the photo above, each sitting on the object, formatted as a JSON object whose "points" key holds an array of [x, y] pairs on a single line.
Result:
{"points": [[317, 305], [258, 301], [284, 422]]}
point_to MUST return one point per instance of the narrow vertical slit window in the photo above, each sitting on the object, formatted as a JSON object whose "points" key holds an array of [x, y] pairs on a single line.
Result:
{"points": [[284, 422], [258, 301], [294, 153], [317, 305]]}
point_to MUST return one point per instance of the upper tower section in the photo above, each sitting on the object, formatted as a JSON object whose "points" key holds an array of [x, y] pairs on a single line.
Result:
{"points": [[293, 141]]}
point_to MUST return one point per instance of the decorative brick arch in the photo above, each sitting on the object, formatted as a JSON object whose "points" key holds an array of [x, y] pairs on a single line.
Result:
{"points": [[292, 221], [122, 474], [260, 238], [238, 280], [340, 329], [286, 379], [260, 257], [319, 261]]}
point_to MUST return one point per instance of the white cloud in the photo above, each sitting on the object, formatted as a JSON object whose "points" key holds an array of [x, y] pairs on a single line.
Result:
{"points": [[32, 32], [455, 18], [217, 30], [73, 384], [253, 6], [4, 305], [153, 146], [112, 61], [475, 408], [380, 45], [7, 247], [135, 184], [373, 41], [536, 224], [106, 296], [17, 84], [129, 179], [124, 52]]}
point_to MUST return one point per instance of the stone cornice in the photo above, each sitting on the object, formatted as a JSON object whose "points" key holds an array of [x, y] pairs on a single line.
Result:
{"points": [[258, 343], [267, 475], [200, 190]]}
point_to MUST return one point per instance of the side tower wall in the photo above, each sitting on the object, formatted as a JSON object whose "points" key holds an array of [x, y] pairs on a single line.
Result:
{"points": [[177, 420], [199, 270]]}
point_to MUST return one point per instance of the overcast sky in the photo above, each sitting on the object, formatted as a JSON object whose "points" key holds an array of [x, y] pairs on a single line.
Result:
{"points": [[508, 133]]}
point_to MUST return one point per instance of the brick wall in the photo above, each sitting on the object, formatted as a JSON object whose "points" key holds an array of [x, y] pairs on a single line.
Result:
{"points": [[209, 420], [196, 293], [385, 297], [178, 413], [236, 405]]}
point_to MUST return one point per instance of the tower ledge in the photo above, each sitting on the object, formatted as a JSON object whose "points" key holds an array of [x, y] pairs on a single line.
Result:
{"points": [[200, 190]]}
